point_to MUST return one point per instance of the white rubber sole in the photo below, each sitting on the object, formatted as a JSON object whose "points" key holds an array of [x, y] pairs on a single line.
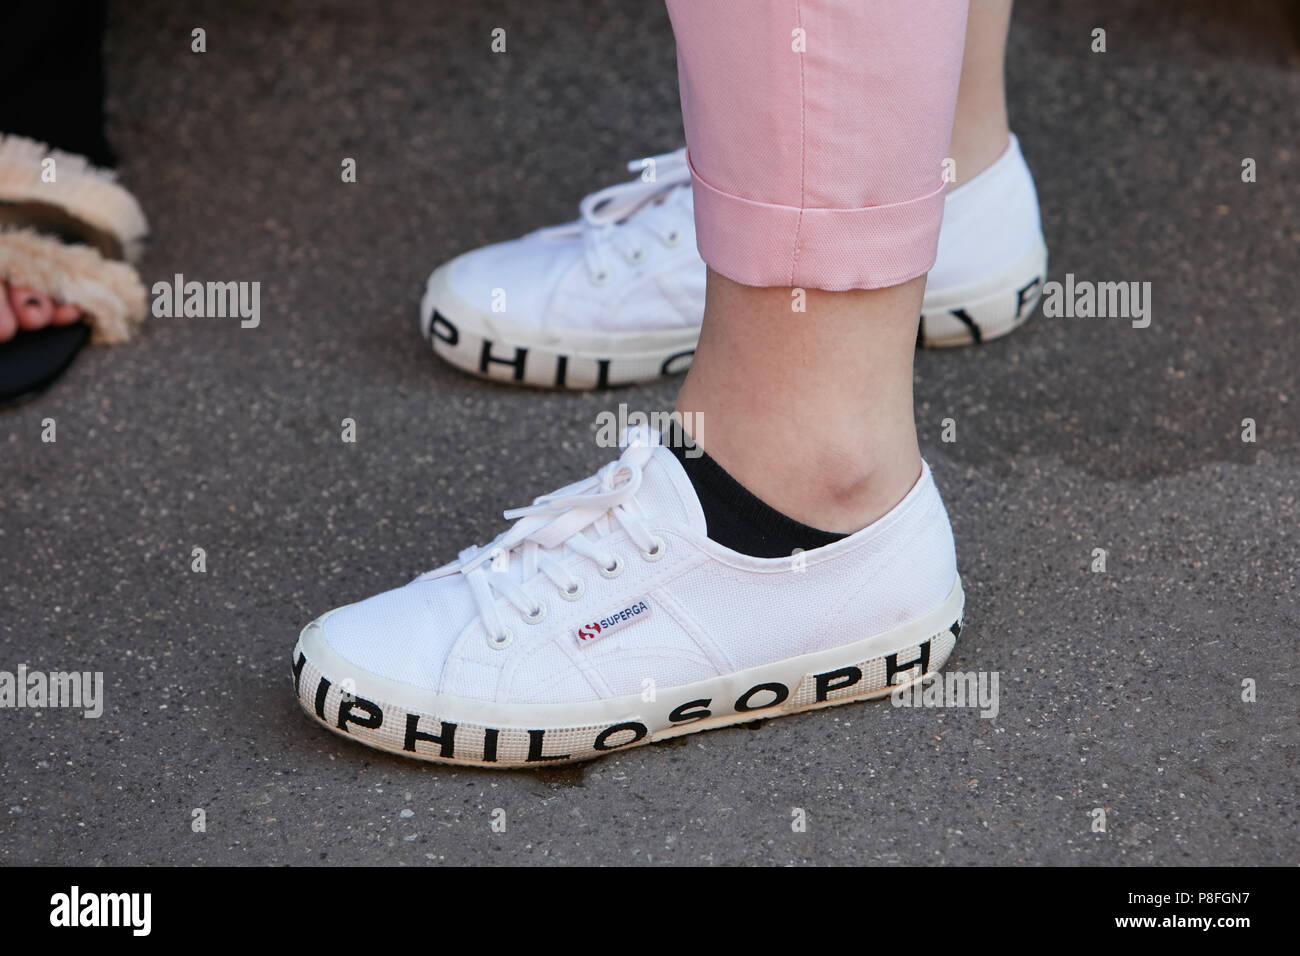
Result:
{"points": [[425, 725], [985, 310], [494, 347]]}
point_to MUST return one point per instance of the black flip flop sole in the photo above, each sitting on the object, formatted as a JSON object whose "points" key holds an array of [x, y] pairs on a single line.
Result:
{"points": [[31, 361]]}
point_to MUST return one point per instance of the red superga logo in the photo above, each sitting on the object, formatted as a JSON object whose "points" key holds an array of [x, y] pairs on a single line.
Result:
{"points": [[637, 610]]}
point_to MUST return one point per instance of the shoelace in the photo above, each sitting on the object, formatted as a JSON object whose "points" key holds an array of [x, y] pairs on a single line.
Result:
{"points": [[603, 211], [551, 524]]}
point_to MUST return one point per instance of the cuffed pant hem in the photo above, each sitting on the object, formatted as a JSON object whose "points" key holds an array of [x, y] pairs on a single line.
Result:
{"points": [[765, 244]]}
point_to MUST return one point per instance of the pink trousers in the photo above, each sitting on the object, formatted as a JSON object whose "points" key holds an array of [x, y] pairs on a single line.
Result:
{"points": [[816, 132]]}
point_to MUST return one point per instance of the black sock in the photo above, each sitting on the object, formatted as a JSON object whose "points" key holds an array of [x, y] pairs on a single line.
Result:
{"points": [[733, 516]]}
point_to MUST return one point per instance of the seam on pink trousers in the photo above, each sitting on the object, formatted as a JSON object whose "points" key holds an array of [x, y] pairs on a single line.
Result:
{"points": [[868, 247], [803, 148]]}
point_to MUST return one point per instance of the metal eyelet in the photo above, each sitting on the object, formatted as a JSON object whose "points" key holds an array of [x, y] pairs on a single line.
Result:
{"points": [[657, 552], [613, 570], [599, 278], [672, 238], [637, 255], [536, 616], [572, 594], [500, 641]]}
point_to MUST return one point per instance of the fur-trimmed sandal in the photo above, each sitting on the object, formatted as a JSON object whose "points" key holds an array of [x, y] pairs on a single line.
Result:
{"points": [[65, 229]]}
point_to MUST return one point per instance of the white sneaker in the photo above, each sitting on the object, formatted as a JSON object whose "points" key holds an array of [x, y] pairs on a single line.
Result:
{"points": [[617, 296], [605, 618]]}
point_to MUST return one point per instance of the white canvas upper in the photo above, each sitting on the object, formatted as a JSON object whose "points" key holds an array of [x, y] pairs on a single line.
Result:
{"points": [[628, 263], [988, 221], [708, 611]]}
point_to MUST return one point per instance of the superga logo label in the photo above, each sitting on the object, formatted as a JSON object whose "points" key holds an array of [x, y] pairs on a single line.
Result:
{"points": [[593, 631]]}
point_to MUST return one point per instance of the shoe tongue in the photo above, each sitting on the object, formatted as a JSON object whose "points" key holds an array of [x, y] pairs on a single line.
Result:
{"points": [[666, 492]]}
